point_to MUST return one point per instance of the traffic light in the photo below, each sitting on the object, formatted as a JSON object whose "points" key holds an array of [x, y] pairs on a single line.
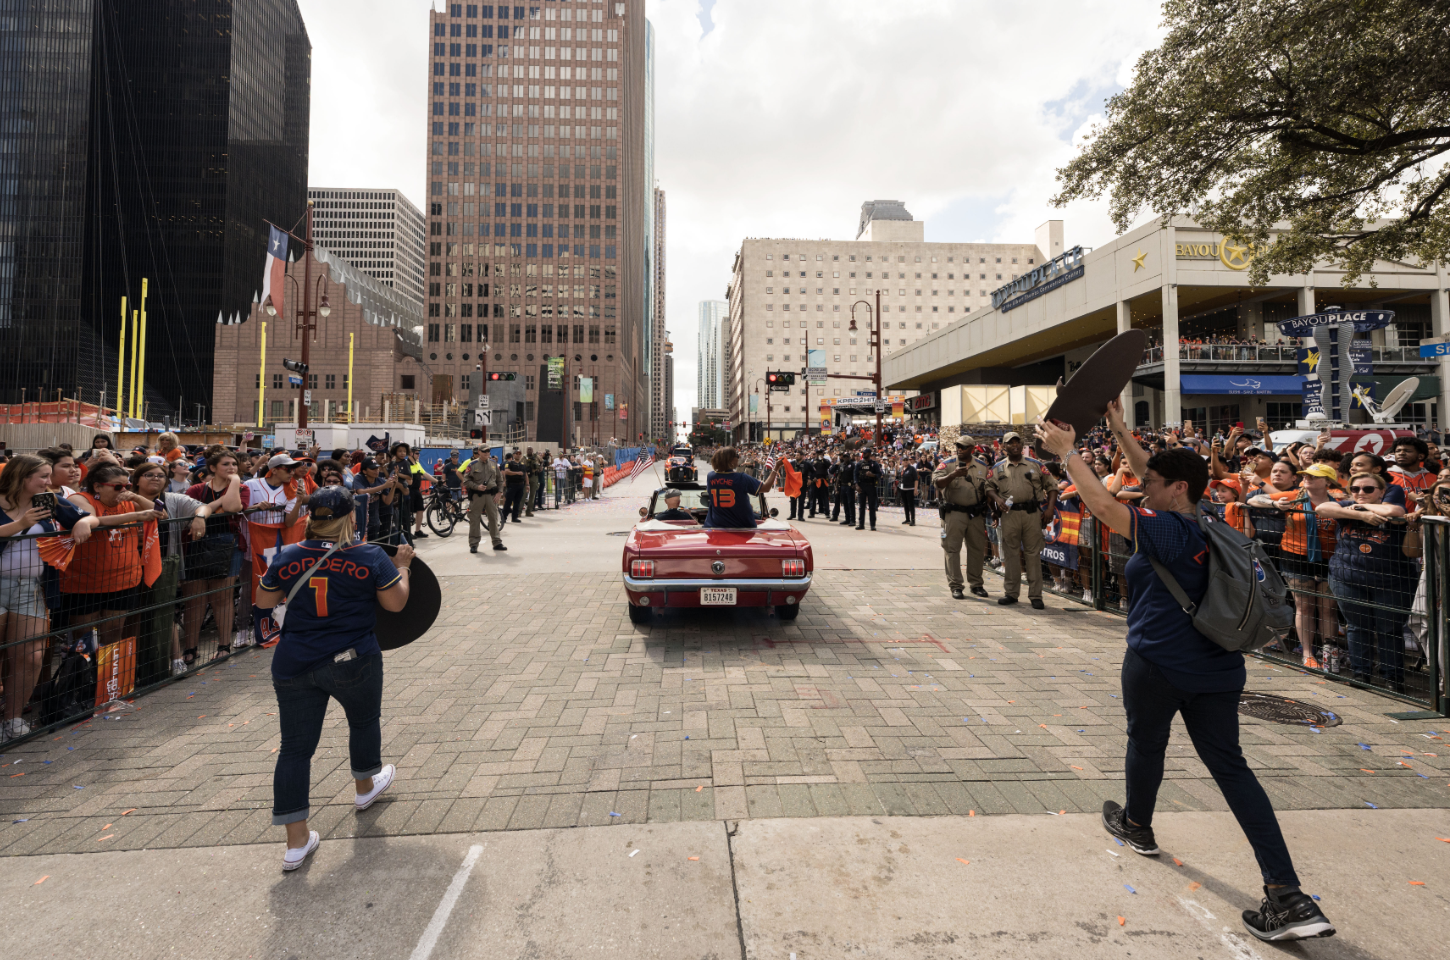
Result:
{"points": [[501, 376], [779, 379], [296, 366]]}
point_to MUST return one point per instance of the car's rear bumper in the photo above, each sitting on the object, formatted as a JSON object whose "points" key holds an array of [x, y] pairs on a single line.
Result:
{"points": [[760, 592]]}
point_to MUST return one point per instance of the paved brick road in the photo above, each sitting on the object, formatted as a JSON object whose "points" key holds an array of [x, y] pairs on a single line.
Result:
{"points": [[528, 708]]}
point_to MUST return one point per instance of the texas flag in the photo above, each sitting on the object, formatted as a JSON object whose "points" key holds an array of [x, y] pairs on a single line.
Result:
{"points": [[272, 285]]}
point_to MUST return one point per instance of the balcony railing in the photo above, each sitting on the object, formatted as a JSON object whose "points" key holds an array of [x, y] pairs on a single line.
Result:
{"points": [[1268, 353]]}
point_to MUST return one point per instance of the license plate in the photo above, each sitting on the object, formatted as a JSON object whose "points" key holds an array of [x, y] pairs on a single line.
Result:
{"points": [[717, 596]]}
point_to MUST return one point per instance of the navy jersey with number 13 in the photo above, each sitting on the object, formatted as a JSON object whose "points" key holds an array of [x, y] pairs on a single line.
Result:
{"points": [[730, 495], [336, 607]]}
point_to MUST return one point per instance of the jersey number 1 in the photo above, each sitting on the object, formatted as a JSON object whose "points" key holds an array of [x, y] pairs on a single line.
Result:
{"points": [[319, 594]]}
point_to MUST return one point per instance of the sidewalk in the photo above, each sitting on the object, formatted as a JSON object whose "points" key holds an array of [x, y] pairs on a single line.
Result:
{"points": [[884, 887]]}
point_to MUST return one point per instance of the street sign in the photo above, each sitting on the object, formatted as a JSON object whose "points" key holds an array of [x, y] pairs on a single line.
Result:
{"points": [[307, 397], [866, 393], [304, 437], [293, 380], [483, 417], [880, 407], [483, 401], [1435, 350]]}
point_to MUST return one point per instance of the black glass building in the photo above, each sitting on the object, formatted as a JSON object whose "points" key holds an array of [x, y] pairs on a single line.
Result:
{"points": [[165, 134]]}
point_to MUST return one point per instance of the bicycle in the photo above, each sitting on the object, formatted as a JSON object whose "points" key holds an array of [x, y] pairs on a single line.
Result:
{"points": [[443, 511]]}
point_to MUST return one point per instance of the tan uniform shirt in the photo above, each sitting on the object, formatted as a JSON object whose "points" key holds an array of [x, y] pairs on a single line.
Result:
{"points": [[482, 474], [1024, 482], [965, 491]]}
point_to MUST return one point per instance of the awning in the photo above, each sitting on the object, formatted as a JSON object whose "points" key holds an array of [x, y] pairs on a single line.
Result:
{"points": [[1197, 383]]}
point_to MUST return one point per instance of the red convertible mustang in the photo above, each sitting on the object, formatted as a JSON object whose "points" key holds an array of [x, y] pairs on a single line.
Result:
{"points": [[680, 563]]}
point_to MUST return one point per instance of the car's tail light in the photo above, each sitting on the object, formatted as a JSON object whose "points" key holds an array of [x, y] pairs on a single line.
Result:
{"points": [[642, 569], [792, 568]]}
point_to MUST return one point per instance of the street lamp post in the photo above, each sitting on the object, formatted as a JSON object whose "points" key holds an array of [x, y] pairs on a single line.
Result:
{"points": [[305, 322], [873, 341]]}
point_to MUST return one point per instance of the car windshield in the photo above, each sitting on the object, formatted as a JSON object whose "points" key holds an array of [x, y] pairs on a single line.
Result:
{"points": [[695, 503]]}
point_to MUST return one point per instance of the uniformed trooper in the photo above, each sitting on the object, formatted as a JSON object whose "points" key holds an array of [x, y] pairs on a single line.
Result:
{"points": [[1020, 487], [482, 483], [531, 467], [845, 490], [963, 487]]}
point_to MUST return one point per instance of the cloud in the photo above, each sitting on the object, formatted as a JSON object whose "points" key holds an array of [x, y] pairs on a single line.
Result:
{"points": [[779, 119]]}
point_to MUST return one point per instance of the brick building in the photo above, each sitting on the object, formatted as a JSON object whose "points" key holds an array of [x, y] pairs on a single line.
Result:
{"points": [[385, 326]]}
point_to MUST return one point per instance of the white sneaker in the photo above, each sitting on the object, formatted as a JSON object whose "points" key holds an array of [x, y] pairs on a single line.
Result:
{"points": [[15, 728], [178, 667], [293, 859], [381, 781]]}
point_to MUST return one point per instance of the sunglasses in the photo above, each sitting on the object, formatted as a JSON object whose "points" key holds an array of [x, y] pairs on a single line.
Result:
{"points": [[1369, 489]]}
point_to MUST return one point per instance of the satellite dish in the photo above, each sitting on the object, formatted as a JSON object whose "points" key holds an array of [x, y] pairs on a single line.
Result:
{"points": [[1397, 398]]}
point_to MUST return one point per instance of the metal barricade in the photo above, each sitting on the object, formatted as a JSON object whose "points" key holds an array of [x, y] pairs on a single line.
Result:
{"points": [[1383, 629]]}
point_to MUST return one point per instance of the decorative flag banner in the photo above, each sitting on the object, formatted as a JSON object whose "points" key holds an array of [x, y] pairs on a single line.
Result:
{"points": [[276, 269]]}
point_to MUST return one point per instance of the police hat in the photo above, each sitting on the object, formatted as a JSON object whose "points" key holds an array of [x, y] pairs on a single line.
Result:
{"points": [[1009, 437], [329, 503], [966, 441]]}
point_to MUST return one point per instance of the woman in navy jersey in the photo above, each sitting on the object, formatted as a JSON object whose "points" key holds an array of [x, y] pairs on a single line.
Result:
{"points": [[331, 586], [730, 491]]}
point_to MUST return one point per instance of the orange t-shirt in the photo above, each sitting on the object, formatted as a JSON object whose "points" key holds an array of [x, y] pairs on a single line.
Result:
{"points": [[175, 454], [110, 561]]}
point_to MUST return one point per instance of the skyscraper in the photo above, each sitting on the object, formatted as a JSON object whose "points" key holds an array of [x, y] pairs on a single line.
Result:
{"points": [[142, 139], [709, 371], [661, 395], [536, 172], [378, 231]]}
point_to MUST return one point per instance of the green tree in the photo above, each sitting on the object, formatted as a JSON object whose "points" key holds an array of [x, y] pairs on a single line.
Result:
{"points": [[1329, 116]]}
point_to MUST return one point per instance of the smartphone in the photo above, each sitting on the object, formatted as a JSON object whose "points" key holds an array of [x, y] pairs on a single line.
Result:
{"points": [[1239, 425], [45, 501]]}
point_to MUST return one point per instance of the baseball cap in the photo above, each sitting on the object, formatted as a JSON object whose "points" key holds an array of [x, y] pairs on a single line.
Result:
{"points": [[1233, 483], [1009, 437], [280, 460], [330, 502], [966, 441], [1320, 470]]}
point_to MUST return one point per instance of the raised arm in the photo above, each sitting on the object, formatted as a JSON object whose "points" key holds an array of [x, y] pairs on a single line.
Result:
{"points": [[1132, 451]]}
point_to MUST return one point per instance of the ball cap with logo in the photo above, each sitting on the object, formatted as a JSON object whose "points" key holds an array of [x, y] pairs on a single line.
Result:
{"points": [[281, 460], [331, 502]]}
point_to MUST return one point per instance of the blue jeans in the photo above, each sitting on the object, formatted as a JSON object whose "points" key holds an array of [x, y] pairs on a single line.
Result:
{"points": [[1375, 617], [301, 707], [1213, 726]]}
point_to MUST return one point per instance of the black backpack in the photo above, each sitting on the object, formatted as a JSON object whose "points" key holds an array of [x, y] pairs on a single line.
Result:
{"points": [[1246, 605], [70, 693]]}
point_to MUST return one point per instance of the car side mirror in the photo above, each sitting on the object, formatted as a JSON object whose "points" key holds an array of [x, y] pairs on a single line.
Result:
{"points": [[644, 511], [774, 512]]}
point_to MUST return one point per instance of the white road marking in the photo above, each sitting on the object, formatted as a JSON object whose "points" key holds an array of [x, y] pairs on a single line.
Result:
{"points": [[1237, 947], [429, 940]]}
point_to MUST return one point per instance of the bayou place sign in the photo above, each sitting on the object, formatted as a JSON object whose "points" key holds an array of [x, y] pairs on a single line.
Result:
{"points": [[1034, 283], [1230, 253]]}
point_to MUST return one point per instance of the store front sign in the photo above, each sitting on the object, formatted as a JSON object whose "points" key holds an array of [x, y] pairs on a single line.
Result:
{"points": [[1230, 253], [1039, 280]]}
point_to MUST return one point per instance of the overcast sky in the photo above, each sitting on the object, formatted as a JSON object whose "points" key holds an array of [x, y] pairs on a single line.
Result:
{"points": [[777, 119]]}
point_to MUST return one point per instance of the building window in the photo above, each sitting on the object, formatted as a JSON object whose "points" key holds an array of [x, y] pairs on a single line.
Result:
{"points": [[407, 381], [331, 381], [276, 381]]}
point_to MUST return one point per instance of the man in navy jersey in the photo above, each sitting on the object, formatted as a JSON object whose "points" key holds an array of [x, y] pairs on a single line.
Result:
{"points": [[331, 586], [731, 490], [1170, 668]]}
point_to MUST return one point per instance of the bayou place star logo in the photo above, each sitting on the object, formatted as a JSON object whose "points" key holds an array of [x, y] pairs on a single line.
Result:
{"points": [[1233, 255], [1138, 259]]}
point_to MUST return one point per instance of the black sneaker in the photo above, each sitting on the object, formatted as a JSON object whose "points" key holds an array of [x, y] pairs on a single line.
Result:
{"points": [[419, 535], [1291, 915], [1115, 821], [499, 546]]}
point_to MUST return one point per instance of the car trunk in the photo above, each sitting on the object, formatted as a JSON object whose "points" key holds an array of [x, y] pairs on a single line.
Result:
{"points": [[745, 553]]}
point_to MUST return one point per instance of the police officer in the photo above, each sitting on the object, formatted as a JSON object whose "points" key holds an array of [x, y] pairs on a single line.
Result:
{"points": [[481, 482], [845, 490], [820, 485], [907, 484], [868, 473], [963, 509], [531, 468], [1019, 487]]}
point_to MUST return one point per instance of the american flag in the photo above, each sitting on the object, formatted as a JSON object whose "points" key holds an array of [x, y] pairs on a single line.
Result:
{"points": [[640, 466], [770, 462]]}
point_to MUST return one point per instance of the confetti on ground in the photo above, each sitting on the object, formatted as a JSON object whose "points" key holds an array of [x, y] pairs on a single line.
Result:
{"points": [[960, 860], [1177, 861], [1417, 883], [1370, 805], [106, 837], [613, 814], [1129, 889], [1194, 885], [77, 786], [973, 813], [124, 812], [1111, 853], [41, 880], [1122, 920], [1074, 766], [1444, 839], [633, 852], [1119, 842], [106, 827], [699, 788]]}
